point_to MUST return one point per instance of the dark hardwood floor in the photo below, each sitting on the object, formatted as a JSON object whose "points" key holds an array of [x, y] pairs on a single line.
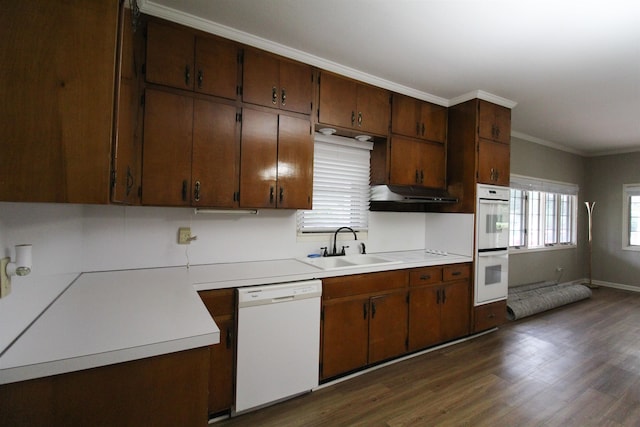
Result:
{"points": [[578, 365]]}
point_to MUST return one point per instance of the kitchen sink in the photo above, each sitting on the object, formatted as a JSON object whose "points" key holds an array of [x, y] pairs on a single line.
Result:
{"points": [[347, 261]]}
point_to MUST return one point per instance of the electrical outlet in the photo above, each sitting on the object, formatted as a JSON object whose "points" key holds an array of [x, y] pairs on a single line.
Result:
{"points": [[5, 281], [559, 269], [184, 236]]}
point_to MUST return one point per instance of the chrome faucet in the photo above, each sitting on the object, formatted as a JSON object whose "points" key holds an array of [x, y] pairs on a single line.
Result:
{"points": [[335, 237]]}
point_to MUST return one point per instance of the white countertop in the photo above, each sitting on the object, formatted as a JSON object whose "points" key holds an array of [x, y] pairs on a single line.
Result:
{"points": [[117, 316]]}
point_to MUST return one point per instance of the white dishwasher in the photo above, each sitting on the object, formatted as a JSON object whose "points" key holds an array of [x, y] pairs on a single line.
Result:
{"points": [[278, 342]]}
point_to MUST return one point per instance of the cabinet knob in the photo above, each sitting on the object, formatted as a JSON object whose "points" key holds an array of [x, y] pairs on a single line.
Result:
{"points": [[274, 95], [283, 98], [425, 277], [184, 190], [129, 181], [423, 129], [271, 195], [359, 118], [200, 78], [353, 118], [281, 195]]}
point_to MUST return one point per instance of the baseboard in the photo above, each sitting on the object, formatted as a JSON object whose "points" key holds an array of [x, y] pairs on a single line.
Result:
{"points": [[610, 285]]}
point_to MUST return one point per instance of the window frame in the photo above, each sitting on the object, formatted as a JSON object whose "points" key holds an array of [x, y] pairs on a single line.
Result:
{"points": [[335, 143], [535, 214], [628, 191]]}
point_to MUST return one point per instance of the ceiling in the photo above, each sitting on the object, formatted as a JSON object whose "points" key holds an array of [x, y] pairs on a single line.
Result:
{"points": [[571, 67]]}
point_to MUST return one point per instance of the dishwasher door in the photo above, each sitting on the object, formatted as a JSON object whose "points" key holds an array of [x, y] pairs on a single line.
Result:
{"points": [[278, 342]]}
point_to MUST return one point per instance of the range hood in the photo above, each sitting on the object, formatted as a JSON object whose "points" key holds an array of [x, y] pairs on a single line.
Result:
{"points": [[407, 198]]}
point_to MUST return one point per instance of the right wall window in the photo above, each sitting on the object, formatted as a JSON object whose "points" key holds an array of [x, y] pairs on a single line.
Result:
{"points": [[631, 217]]}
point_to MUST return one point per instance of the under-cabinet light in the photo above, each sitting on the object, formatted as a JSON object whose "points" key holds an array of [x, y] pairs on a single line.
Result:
{"points": [[226, 211]]}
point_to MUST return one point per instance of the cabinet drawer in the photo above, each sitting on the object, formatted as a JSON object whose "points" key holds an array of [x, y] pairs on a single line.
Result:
{"points": [[358, 284], [219, 302], [425, 276], [456, 272], [489, 316]]}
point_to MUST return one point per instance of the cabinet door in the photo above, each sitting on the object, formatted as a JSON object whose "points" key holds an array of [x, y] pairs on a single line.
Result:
{"points": [[296, 87], [166, 164], [405, 167], [170, 56], [433, 122], [221, 374], [374, 110], [216, 69], [454, 315], [404, 116], [127, 145], [295, 163], [337, 104], [424, 317], [261, 79], [57, 78], [258, 159], [494, 122], [432, 170], [216, 155], [493, 162], [387, 326], [344, 336]]}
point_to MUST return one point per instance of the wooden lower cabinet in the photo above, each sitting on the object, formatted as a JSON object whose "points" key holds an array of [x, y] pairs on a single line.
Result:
{"points": [[221, 304], [364, 320], [439, 305], [489, 316], [162, 390]]}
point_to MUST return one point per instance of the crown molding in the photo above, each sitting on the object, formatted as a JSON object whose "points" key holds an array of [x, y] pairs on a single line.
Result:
{"points": [[485, 96], [546, 143]]}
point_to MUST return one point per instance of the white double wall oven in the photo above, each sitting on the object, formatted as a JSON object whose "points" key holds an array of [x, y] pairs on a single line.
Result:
{"points": [[492, 244]]}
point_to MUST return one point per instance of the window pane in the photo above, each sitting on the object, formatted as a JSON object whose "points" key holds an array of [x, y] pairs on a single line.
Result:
{"points": [[550, 224], [535, 219], [634, 220], [517, 218], [565, 224]]}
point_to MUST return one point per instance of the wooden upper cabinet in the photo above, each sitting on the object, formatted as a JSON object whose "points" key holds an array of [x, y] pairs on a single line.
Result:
{"points": [[166, 164], [494, 122], [170, 55], [216, 67], [295, 163], [415, 162], [493, 162], [179, 58], [57, 77], [277, 161], [215, 165], [418, 119], [353, 106], [276, 82]]}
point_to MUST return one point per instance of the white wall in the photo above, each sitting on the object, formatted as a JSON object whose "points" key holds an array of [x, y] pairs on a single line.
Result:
{"points": [[73, 238]]}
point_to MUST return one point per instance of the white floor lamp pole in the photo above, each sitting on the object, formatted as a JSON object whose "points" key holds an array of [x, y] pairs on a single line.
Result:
{"points": [[590, 214]]}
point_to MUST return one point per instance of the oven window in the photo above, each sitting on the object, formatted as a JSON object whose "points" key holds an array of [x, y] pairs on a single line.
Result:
{"points": [[495, 223], [492, 274]]}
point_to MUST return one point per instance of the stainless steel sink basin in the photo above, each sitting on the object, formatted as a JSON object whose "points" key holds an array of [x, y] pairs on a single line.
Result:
{"points": [[347, 261]]}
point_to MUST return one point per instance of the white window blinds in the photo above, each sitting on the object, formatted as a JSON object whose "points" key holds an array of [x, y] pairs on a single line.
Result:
{"points": [[536, 184], [340, 186]]}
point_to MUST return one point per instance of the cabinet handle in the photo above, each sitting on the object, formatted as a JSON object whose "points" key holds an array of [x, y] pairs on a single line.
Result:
{"points": [[373, 310], [283, 101], [229, 337], [281, 195], [364, 309], [423, 129], [129, 181], [274, 95], [491, 315], [184, 190], [438, 296], [200, 78], [497, 132], [422, 177], [196, 192], [271, 195], [444, 296], [425, 277], [417, 177], [187, 75], [456, 273], [359, 118], [353, 118]]}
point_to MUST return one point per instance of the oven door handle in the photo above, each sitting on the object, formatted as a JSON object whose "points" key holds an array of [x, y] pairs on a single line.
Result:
{"points": [[492, 252], [494, 202]]}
